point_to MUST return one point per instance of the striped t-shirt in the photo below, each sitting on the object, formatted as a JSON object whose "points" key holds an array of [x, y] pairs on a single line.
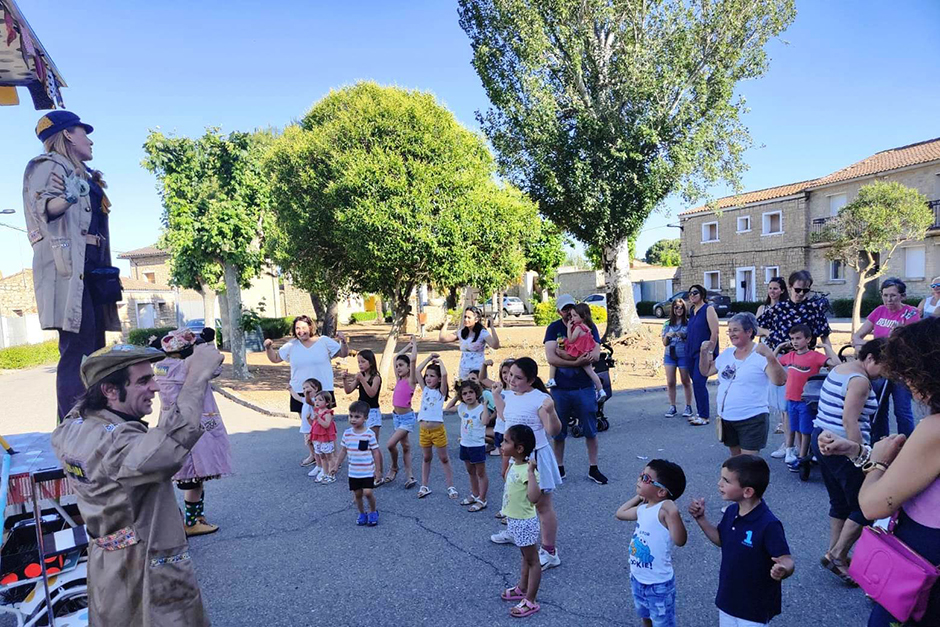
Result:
{"points": [[832, 402], [359, 447]]}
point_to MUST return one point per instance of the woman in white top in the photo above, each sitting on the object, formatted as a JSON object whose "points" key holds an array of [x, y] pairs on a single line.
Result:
{"points": [[745, 371], [529, 403], [930, 306], [473, 338], [309, 356]]}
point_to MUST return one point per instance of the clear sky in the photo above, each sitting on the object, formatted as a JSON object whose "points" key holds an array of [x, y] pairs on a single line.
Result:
{"points": [[849, 78]]}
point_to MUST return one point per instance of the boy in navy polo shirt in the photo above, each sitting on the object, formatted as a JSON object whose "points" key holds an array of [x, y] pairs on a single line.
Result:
{"points": [[755, 557]]}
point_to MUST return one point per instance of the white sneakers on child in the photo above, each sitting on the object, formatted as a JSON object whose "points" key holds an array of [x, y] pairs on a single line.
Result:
{"points": [[503, 537], [600, 395], [315, 472], [549, 560], [780, 452], [790, 457]]}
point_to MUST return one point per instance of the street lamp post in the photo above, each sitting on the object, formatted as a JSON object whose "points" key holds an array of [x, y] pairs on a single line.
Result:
{"points": [[7, 212]]}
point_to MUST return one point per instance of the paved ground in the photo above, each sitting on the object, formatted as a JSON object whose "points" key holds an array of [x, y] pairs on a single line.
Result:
{"points": [[289, 552]]}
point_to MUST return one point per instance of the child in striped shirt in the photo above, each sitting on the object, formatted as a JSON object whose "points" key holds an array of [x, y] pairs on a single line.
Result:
{"points": [[362, 448]]}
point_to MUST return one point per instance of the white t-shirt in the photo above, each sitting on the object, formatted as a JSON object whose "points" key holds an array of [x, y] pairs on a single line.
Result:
{"points": [[472, 353], [650, 547], [310, 363], [500, 425], [523, 409], [472, 429], [306, 415], [742, 385], [432, 405]]}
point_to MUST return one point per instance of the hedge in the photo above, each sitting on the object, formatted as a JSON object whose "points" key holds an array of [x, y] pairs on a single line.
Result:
{"points": [[842, 307], [29, 355], [545, 313], [141, 337], [362, 316], [275, 328], [645, 307], [751, 306], [598, 313]]}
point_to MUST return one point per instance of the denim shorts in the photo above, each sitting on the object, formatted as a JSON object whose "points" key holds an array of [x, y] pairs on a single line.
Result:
{"points": [[580, 404], [801, 417], [655, 602], [405, 422], [679, 360], [375, 418], [473, 454]]}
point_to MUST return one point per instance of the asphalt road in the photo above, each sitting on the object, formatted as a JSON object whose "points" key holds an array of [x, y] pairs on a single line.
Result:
{"points": [[289, 552]]}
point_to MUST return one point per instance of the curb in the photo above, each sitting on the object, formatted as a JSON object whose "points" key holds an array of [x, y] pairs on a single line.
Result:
{"points": [[239, 400]]}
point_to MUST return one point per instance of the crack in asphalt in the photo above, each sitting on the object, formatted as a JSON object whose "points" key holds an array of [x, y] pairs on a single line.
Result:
{"points": [[508, 579], [228, 538]]}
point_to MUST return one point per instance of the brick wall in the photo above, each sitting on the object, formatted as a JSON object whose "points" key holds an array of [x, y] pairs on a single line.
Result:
{"points": [[17, 297]]}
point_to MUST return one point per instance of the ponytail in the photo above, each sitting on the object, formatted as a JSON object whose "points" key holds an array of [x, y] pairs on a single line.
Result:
{"points": [[538, 385]]}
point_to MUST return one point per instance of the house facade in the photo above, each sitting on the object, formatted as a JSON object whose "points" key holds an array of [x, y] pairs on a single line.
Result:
{"points": [[737, 244]]}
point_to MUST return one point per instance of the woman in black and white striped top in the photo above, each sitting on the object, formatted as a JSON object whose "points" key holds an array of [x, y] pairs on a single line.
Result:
{"points": [[846, 406]]}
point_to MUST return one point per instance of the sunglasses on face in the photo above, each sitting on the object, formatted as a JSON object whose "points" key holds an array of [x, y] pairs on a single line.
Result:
{"points": [[935, 286], [802, 290], [645, 478], [694, 293]]}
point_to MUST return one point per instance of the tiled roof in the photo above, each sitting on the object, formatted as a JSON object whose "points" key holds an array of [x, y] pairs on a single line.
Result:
{"points": [[892, 159], [750, 197], [146, 251], [136, 285]]}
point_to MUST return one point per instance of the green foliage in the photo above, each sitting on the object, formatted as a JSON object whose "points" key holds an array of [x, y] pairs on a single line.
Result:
{"points": [[545, 313], [29, 355], [602, 109], [598, 314], [362, 316], [739, 306], [665, 252], [454, 316], [842, 307], [275, 328], [251, 320], [544, 252], [143, 337], [645, 307]]}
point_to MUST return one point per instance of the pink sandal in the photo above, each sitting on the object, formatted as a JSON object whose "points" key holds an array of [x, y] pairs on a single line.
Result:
{"points": [[524, 608], [512, 594]]}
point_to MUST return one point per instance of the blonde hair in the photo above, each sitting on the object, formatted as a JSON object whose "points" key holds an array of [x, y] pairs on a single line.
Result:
{"points": [[59, 144]]}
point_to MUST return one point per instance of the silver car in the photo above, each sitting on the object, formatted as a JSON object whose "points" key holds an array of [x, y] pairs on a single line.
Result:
{"points": [[512, 305]]}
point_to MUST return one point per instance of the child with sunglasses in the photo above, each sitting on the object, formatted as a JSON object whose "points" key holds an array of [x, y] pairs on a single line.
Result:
{"points": [[658, 531]]}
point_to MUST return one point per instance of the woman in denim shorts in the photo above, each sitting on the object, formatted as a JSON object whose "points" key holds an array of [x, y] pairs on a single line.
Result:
{"points": [[674, 335]]}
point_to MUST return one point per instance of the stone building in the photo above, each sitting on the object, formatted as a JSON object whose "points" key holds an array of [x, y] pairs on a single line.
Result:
{"points": [[17, 297], [737, 244]]}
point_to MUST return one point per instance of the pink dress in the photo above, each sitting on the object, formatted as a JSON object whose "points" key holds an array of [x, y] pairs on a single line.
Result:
{"points": [[211, 458], [319, 433], [584, 344]]}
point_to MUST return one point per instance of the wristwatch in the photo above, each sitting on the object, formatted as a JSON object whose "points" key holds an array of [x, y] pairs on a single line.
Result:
{"points": [[870, 465], [864, 453]]}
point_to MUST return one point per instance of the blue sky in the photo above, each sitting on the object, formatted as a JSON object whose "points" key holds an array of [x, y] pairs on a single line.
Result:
{"points": [[849, 78]]}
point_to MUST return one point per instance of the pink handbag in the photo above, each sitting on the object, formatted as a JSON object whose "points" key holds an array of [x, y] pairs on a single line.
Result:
{"points": [[891, 573]]}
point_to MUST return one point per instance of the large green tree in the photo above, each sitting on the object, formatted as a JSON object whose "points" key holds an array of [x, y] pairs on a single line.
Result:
{"points": [[602, 108], [214, 195], [869, 229], [665, 252], [381, 190]]}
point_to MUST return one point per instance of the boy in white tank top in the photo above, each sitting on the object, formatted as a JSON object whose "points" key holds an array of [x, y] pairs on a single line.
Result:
{"points": [[658, 531]]}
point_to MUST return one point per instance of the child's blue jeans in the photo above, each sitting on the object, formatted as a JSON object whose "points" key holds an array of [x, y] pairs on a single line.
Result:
{"points": [[656, 602]]}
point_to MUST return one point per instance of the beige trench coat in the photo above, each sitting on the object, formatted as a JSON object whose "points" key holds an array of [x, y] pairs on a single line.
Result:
{"points": [[59, 248], [120, 470]]}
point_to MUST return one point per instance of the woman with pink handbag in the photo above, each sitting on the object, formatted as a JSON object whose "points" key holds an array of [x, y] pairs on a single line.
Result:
{"points": [[898, 568]]}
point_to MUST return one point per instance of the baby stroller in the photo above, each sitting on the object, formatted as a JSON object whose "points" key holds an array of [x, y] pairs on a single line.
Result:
{"points": [[602, 367]]}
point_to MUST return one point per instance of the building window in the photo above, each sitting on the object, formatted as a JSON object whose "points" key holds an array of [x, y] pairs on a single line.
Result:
{"points": [[744, 224], [18, 313], [713, 281], [915, 259], [771, 272], [836, 270], [773, 223], [150, 277], [836, 202], [710, 232]]}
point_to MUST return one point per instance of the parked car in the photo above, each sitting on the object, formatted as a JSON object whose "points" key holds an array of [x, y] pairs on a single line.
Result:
{"points": [[599, 300], [196, 325], [512, 305], [722, 304]]}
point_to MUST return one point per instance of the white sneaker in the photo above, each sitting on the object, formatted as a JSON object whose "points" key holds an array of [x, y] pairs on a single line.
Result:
{"points": [[600, 395], [550, 383], [317, 474], [780, 452], [503, 537], [314, 471], [791, 455], [548, 560]]}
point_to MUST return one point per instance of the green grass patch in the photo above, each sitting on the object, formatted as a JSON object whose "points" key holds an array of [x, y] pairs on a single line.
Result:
{"points": [[29, 355]]}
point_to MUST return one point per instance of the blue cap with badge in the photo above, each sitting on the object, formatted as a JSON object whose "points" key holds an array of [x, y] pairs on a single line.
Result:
{"points": [[56, 121]]}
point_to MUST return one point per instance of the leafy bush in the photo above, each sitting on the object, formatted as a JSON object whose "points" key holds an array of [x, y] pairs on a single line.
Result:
{"points": [[453, 316], [842, 307], [598, 314], [29, 355], [362, 316], [545, 313], [141, 337], [645, 308], [739, 306], [275, 328]]}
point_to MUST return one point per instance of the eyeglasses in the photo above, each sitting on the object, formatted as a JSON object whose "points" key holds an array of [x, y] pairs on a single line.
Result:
{"points": [[645, 478], [802, 290], [694, 293], [935, 286]]}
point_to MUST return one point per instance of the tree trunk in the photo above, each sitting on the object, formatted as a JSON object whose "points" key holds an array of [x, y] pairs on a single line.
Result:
{"points": [[226, 322], [379, 314], [621, 310], [452, 296], [400, 309], [327, 315], [208, 306], [319, 309], [233, 293], [857, 305]]}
